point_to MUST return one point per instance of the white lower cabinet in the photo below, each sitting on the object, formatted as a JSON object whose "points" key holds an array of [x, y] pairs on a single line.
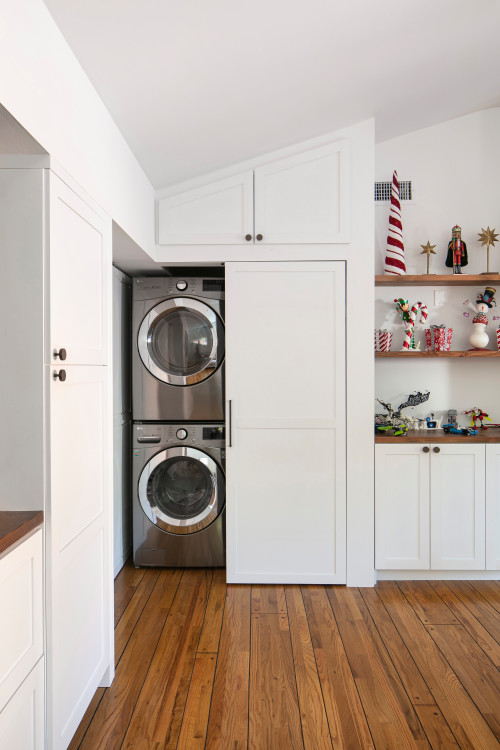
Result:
{"points": [[493, 506], [21, 647], [430, 505], [22, 719]]}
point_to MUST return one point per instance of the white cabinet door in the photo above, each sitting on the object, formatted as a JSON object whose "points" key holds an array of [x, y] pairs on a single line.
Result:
{"points": [[22, 719], [215, 214], [80, 264], [304, 198], [21, 597], [79, 573], [493, 507], [402, 532], [285, 364], [458, 507]]}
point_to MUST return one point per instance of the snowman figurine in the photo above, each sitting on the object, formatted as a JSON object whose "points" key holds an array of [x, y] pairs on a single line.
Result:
{"points": [[479, 338]]}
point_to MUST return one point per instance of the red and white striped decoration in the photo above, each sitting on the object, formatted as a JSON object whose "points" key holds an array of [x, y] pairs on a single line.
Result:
{"points": [[408, 340], [395, 253]]}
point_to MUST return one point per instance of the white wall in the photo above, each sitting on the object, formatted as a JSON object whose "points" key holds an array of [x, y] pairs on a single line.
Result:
{"points": [[43, 86], [454, 168]]}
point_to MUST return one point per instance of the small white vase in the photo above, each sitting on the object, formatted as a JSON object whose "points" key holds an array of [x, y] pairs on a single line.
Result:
{"points": [[479, 338]]}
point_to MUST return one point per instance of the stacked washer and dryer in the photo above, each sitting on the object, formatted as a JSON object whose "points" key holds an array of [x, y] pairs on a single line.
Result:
{"points": [[178, 399]]}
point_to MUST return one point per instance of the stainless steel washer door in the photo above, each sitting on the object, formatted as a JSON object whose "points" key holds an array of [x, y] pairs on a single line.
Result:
{"points": [[181, 341], [182, 490]]}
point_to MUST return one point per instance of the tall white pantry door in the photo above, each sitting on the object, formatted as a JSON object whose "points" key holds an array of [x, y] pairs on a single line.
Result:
{"points": [[286, 457]]}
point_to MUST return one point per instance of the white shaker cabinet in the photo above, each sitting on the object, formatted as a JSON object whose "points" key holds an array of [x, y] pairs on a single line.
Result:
{"points": [[430, 506], [79, 279], [286, 455], [493, 506], [402, 508], [303, 198], [57, 446], [22, 719]]}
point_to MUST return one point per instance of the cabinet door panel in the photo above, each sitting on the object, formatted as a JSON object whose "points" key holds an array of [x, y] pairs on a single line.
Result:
{"points": [[80, 264], [219, 213], [21, 595], [22, 719], [304, 198], [458, 507], [401, 508], [286, 381], [79, 572], [493, 507]]}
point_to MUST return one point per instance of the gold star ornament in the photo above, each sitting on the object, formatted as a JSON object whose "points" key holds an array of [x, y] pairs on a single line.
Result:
{"points": [[427, 250], [488, 237]]}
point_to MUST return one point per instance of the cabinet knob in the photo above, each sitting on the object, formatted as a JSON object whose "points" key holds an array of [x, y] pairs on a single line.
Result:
{"points": [[436, 449], [426, 449], [61, 375], [61, 354], [248, 237], [259, 237]]}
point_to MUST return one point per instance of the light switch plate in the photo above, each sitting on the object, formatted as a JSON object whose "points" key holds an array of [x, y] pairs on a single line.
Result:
{"points": [[439, 297]]}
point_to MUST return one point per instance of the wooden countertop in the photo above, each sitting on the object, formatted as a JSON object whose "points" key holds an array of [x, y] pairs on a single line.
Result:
{"points": [[16, 524], [491, 435]]}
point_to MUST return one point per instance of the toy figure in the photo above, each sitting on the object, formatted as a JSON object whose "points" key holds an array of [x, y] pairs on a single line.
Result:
{"points": [[479, 338], [409, 317], [393, 421], [478, 416], [457, 251]]}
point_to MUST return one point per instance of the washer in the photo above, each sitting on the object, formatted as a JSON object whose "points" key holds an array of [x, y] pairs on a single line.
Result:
{"points": [[178, 349], [180, 495]]}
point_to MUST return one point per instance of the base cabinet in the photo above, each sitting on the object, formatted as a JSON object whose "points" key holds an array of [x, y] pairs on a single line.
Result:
{"points": [[430, 507], [493, 506], [22, 719]]}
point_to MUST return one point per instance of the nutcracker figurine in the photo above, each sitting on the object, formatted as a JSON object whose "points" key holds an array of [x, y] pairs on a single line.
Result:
{"points": [[457, 251]]}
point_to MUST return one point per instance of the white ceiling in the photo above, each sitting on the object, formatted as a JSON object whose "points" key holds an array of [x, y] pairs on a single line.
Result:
{"points": [[196, 85]]}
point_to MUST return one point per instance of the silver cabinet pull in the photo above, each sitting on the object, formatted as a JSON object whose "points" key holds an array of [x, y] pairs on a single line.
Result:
{"points": [[229, 424]]}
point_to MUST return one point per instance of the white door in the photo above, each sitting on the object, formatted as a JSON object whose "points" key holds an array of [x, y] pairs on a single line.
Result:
{"points": [[22, 719], [304, 198], [79, 574], [493, 506], [457, 507], [402, 533], [80, 264], [285, 364], [216, 214]]}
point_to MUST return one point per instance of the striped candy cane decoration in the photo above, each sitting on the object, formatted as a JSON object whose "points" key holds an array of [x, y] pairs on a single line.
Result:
{"points": [[395, 252], [409, 343]]}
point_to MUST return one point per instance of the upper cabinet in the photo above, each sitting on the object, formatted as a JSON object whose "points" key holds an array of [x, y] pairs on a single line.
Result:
{"points": [[79, 277], [303, 198]]}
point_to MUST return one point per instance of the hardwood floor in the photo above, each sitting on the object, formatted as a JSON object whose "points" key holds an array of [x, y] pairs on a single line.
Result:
{"points": [[203, 665]]}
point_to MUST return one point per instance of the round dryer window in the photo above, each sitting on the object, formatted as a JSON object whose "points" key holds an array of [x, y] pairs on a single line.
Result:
{"points": [[182, 490], [181, 341]]}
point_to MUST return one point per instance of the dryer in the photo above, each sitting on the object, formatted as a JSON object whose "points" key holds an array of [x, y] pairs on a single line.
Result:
{"points": [[178, 349], [180, 495]]}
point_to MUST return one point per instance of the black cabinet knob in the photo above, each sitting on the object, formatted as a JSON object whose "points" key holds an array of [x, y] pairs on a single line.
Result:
{"points": [[426, 449], [436, 449], [248, 237], [61, 354], [61, 375], [259, 237]]}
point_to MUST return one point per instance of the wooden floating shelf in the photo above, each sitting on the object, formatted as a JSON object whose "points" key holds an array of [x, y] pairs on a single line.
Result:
{"points": [[469, 353], [491, 435], [457, 279]]}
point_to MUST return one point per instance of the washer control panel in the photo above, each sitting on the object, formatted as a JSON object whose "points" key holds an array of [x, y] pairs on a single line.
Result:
{"points": [[157, 435]]}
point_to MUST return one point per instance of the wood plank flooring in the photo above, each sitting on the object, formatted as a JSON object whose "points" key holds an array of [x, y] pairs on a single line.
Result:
{"points": [[201, 664]]}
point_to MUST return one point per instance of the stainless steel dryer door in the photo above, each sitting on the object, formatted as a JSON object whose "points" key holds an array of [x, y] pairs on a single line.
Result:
{"points": [[182, 490], [181, 341]]}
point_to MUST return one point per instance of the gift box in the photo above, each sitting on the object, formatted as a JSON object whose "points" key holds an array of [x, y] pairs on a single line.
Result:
{"points": [[438, 338], [383, 340]]}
